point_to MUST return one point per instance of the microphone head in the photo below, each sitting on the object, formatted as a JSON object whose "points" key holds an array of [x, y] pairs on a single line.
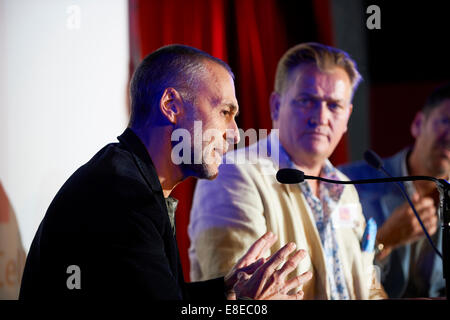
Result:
{"points": [[290, 176], [373, 159]]}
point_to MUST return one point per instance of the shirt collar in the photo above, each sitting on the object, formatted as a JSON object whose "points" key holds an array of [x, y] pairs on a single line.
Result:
{"points": [[145, 164], [409, 185], [328, 171], [171, 204]]}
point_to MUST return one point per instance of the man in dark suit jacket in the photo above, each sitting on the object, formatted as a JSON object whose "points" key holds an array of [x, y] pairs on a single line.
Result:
{"points": [[409, 265], [109, 231]]}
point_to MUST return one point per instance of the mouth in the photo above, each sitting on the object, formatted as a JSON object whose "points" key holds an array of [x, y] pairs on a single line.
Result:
{"points": [[444, 149], [218, 155], [225, 147], [316, 134], [446, 152]]}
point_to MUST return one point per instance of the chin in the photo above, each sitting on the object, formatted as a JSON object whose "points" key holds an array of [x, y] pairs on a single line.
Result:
{"points": [[442, 168], [213, 176], [211, 171], [201, 171], [315, 151]]}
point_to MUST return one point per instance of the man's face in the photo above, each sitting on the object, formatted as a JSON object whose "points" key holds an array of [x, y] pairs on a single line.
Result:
{"points": [[312, 113], [214, 111], [432, 135]]}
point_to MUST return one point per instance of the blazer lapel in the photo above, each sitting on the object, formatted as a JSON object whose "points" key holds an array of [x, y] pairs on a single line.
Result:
{"points": [[314, 243], [316, 252]]}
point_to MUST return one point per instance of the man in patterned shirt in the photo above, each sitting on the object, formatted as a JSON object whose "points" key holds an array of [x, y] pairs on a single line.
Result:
{"points": [[310, 108]]}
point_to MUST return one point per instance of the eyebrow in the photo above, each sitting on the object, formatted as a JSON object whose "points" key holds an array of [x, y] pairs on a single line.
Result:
{"points": [[233, 108], [330, 99]]}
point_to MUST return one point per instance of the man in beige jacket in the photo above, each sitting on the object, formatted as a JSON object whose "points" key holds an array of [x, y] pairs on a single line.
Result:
{"points": [[310, 109]]}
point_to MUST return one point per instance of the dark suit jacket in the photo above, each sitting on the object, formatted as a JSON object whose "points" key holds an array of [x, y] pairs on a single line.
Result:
{"points": [[110, 220], [379, 200]]}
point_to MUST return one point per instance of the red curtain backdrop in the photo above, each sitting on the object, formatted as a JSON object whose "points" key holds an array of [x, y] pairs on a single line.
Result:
{"points": [[250, 35], [261, 41]]}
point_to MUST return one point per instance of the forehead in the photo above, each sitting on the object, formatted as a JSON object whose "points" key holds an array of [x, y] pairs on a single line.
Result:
{"points": [[443, 109], [219, 82], [307, 78]]}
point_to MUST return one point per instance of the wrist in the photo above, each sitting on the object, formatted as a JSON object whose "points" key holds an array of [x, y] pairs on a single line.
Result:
{"points": [[381, 250]]}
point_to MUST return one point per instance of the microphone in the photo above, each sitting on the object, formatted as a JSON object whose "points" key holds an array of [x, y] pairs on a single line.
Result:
{"points": [[293, 176], [290, 176], [373, 159], [376, 162]]}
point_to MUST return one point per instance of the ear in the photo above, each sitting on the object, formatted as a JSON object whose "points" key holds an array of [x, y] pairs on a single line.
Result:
{"points": [[171, 105], [275, 105], [416, 125]]}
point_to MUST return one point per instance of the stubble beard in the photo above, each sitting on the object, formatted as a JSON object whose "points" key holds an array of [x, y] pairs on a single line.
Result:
{"points": [[199, 170]]}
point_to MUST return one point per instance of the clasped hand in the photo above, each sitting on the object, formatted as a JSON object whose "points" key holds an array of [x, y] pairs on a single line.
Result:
{"points": [[259, 278]]}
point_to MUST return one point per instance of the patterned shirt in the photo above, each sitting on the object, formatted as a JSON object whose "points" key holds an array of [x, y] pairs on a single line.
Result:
{"points": [[322, 207]]}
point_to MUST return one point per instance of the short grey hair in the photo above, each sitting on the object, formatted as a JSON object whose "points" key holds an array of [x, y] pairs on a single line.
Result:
{"points": [[178, 66], [322, 56]]}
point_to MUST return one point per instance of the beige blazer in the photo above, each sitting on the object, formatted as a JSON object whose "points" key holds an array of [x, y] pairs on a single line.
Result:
{"points": [[245, 201]]}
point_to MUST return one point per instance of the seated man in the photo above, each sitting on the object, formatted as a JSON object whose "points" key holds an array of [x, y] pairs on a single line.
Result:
{"points": [[109, 232], [310, 108], [410, 267]]}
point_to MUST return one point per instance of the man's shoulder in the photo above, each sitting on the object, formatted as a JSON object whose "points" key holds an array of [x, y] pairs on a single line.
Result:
{"points": [[112, 159], [104, 197], [359, 170], [109, 167], [110, 179]]}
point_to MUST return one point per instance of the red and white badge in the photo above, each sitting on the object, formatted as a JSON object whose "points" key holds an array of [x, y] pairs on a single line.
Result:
{"points": [[346, 216]]}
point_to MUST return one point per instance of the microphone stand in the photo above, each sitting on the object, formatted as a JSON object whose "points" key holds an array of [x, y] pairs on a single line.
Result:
{"points": [[444, 209]]}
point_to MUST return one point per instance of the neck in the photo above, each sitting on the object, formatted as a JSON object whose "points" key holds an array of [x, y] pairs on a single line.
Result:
{"points": [[309, 164], [312, 169], [158, 144]]}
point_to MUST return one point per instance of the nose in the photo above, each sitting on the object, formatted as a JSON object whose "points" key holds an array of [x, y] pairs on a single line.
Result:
{"points": [[319, 114], [232, 133]]}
